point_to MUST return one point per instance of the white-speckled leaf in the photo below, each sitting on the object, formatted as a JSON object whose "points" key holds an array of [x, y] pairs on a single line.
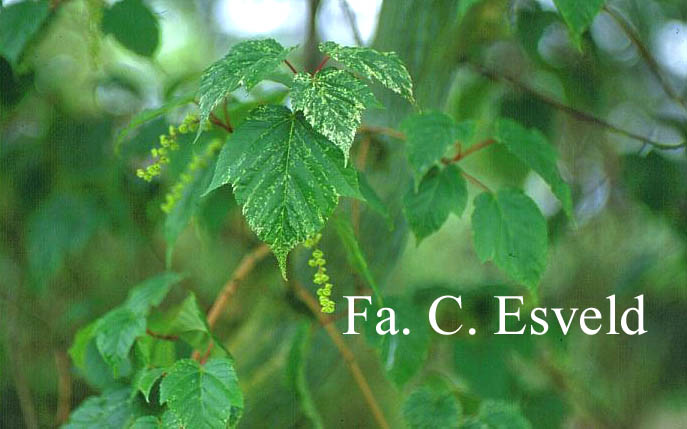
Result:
{"points": [[287, 176], [247, 63], [203, 396], [333, 102], [384, 67]]}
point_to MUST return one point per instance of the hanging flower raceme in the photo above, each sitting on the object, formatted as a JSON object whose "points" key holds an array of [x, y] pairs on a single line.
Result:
{"points": [[320, 278], [169, 144], [199, 162]]}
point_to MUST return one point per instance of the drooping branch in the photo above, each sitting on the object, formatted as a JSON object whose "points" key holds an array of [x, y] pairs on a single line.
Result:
{"points": [[475, 181], [469, 151], [350, 17], [228, 290], [64, 387], [244, 268], [161, 336], [645, 54], [293, 69], [15, 350], [346, 353], [575, 113], [372, 129]]}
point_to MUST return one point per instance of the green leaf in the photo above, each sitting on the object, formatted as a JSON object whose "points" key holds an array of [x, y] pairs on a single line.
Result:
{"points": [[429, 136], [170, 420], [287, 176], [96, 371], [147, 116], [145, 379], [189, 323], [247, 63], [502, 415], [19, 25], [432, 407], [404, 355], [354, 254], [147, 422], [532, 148], [441, 192], [473, 423], [481, 365], [333, 102], [510, 230], [133, 25], [60, 227], [384, 67], [116, 333], [88, 360], [372, 338], [155, 352], [80, 345], [205, 396], [373, 200], [167, 421], [578, 15], [114, 409], [465, 130], [151, 292], [296, 371]]}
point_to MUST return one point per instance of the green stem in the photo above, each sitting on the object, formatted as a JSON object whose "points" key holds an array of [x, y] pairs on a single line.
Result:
{"points": [[469, 151], [161, 336], [319, 67], [472, 179], [293, 69]]}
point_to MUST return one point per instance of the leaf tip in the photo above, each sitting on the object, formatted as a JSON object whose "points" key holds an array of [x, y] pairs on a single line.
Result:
{"points": [[281, 256]]}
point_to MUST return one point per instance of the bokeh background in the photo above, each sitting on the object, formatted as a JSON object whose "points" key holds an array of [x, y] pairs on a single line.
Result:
{"points": [[78, 228]]}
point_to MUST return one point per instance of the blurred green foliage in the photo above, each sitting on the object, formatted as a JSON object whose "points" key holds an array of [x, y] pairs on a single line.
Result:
{"points": [[78, 229]]}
